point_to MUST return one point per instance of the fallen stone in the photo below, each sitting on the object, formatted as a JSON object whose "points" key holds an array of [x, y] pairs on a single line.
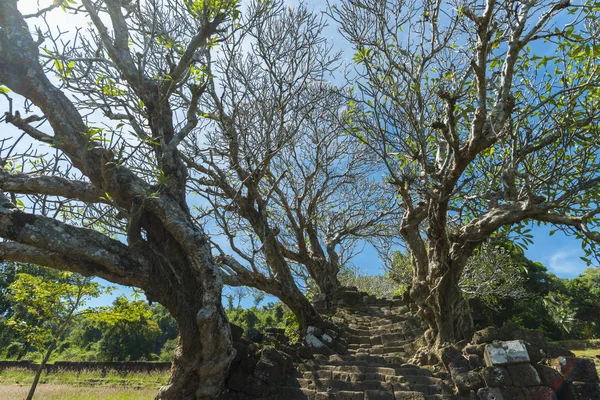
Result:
{"points": [[486, 335], [534, 342], [503, 353], [305, 352], [236, 381], [459, 366], [523, 375], [236, 332], [450, 354], [331, 333], [542, 393], [326, 338], [514, 393], [255, 387], [468, 381], [489, 393], [246, 357], [268, 373], [506, 332], [584, 391], [576, 369], [347, 296], [289, 351], [272, 366], [474, 361], [317, 345], [314, 331], [549, 376], [556, 351], [477, 349]]}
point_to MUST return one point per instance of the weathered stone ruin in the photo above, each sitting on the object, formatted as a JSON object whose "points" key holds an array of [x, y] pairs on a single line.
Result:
{"points": [[362, 357], [517, 364], [363, 354]]}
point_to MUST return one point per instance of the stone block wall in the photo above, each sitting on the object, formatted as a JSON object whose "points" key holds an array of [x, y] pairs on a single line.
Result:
{"points": [[79, 366], [516, 364], [258, 369]]}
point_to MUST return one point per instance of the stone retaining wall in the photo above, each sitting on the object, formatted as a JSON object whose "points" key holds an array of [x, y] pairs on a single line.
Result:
{"points": [[79, 366]]}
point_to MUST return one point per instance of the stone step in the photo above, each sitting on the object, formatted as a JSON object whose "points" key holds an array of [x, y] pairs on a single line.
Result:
{"points": [[377, 339], [356, 346], [405, 370], [377, 327], [398, 384], [386, 324], [335, 385], [378, 395], [414, 395], [338, 368], [341, 395], [397, 342], [422, 380], [387, 350], [409, 395], [359, 351], [294, 393], [431, 389]]}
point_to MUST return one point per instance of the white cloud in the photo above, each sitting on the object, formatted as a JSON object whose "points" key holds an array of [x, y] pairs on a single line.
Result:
{"points": [[566, 263]]}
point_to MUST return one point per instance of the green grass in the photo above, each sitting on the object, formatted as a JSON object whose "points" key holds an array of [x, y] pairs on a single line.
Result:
{"points": [[87, 379], [590, 344]]}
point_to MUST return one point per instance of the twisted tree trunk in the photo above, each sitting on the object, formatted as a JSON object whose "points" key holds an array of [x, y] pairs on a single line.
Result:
{"points": [[325, 274], [289, 292], [190, 287], [203, 355], [435, 288]]}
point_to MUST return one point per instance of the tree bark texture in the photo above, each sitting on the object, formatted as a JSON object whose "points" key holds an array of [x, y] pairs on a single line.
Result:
{"points": [[435, 284], [325, 274], [190, 289], [290, 294]]}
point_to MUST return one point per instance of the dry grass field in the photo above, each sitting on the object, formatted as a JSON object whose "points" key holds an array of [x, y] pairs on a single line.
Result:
{"points": [[66, 392], [87, 385]]}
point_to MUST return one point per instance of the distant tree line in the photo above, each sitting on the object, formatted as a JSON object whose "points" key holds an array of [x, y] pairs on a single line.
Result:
{"points": [[126, 330]]}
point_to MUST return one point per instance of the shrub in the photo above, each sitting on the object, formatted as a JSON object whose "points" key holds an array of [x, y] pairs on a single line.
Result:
{"points": [[14, 350]]}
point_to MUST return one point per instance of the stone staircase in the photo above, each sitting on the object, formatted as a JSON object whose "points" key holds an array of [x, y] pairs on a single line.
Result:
{"points": [[377, 338], [362, 351]]}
